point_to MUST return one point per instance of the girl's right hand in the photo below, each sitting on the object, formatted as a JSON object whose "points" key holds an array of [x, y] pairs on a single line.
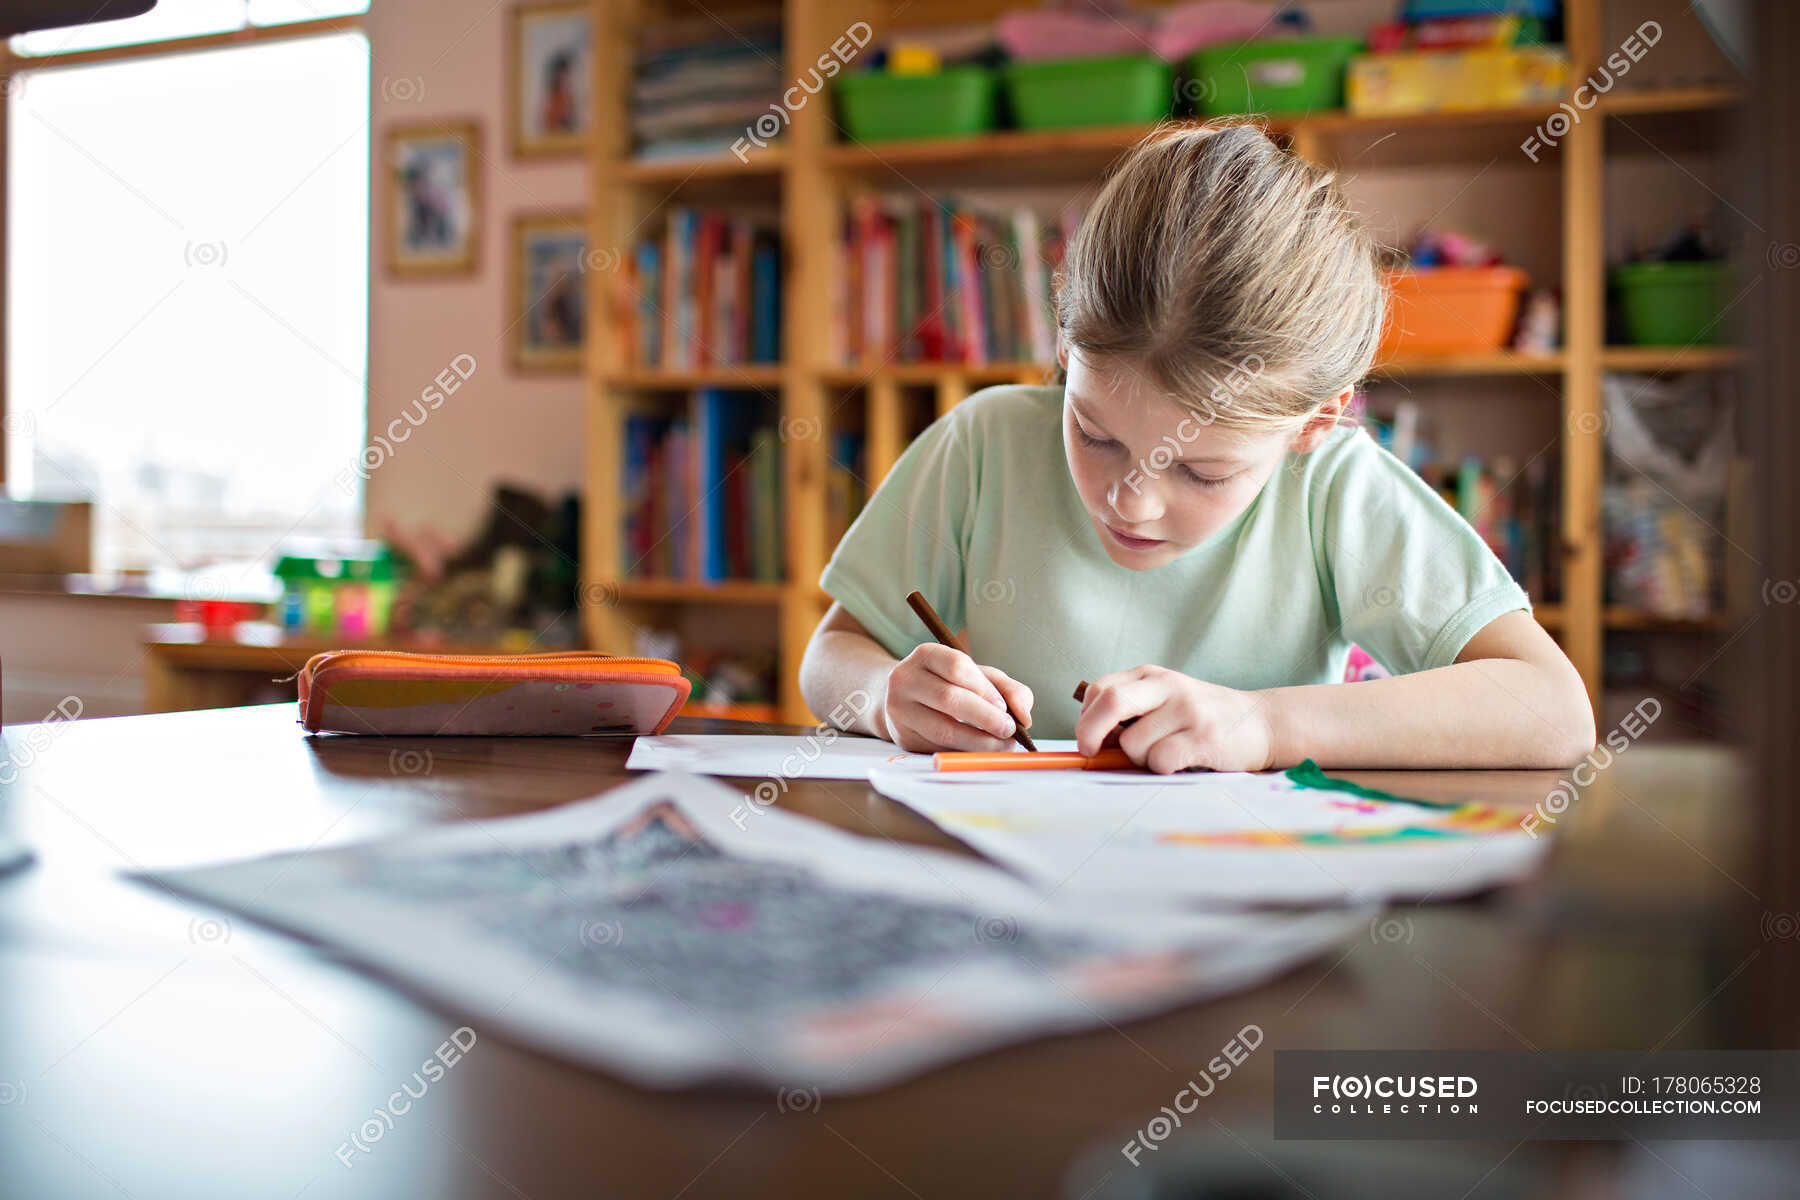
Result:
{"points": [[941, 699]]}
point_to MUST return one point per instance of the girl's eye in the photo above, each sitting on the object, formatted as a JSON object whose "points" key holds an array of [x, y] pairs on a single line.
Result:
{"points": [[1195, 477], [1091, 442]]}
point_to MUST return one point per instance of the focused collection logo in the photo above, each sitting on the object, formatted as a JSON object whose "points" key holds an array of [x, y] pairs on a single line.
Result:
{"points": [[1379, 1095]]}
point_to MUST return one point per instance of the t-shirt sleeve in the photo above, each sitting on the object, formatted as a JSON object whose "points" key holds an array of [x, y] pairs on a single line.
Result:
{"points": [[912, 534], [1411, 581]]}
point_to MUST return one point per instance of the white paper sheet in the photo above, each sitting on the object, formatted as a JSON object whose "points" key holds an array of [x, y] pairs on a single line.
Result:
{"points": [[1220, 839], [675, 933], [821, 754]]}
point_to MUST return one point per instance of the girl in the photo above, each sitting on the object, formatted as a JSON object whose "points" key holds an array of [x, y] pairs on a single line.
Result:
{"points": [[1187, 522]]}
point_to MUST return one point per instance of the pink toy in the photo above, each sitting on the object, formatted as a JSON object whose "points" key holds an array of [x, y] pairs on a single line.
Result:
{"points": [[1033, 35], [1184, 28]]}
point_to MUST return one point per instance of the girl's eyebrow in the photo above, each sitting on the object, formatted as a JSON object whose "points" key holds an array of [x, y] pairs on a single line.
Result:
{"points": [[1084, 418], [1210, 460]]}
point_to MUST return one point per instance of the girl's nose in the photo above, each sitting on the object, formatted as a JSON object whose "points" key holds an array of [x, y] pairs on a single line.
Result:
{"points": [[1136, 499]]}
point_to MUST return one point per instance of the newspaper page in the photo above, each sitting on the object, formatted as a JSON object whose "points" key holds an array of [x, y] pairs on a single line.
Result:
{"points": [[675, 933]]}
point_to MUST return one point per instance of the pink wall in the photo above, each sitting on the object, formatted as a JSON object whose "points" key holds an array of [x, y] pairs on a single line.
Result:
{"points": [[433, 60]]}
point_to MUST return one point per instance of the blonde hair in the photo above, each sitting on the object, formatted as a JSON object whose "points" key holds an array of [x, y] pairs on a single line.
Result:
{"points": [[1229, 270]]}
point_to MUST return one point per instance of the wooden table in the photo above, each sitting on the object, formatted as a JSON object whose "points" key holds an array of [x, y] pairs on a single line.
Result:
{"points": [[148, 1048]]}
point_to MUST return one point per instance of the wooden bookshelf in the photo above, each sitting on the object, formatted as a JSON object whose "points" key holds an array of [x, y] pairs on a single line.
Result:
{"points": [[676, 171], [748, 376], [1650, 359], [689, 591], [814, 176], [1625, 101], [1500, 362], [1626, 620], [931, 372], [1108, 141]]}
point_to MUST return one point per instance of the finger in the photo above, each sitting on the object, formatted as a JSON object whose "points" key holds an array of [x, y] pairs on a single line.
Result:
{"points": [[1018, 697], [1177, 752], [926, 686], [971, 709], [1110, 682], [959, 669], [962, 705], [1137, 738], [1109, 703], [939, 732]]}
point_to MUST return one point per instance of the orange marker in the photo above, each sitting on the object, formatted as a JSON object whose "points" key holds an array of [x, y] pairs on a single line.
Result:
{"points": [[1043, 760]]}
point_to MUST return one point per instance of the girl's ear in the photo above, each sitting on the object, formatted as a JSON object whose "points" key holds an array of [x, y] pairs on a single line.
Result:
{"points": [[1321, 423], [1062, 350]]}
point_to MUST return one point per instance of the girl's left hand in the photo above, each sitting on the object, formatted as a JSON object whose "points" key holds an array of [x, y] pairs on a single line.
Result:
{"points": [[1181, 722]]}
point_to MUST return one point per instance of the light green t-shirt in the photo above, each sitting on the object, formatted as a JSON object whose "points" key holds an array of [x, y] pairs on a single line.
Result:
{"points": [[1343, 545]]}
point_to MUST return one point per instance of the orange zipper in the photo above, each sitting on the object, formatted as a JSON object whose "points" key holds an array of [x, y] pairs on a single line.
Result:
{"points": [[547, 658]]}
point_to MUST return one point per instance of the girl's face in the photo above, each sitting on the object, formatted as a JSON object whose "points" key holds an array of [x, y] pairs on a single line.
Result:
{"points": [[1156, 478]]}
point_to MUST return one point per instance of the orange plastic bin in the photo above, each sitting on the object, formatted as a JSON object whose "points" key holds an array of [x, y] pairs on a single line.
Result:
{"points": [[1450, 310]]}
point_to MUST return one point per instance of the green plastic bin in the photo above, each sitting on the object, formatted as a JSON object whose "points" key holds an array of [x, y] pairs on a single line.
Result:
{"points": [[1126, 89], [955, 102], [1671, 303], [1275, 75]]}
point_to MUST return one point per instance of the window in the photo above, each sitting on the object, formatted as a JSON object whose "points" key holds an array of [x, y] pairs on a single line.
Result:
{"points": [[187, 305], [178, 19]]}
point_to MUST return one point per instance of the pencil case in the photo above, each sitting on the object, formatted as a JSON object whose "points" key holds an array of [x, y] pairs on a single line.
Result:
{"points": [[571, 694]]}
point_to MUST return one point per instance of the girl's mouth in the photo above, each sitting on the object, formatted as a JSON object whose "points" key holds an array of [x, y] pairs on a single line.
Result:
{"points": [[1132, 543]]}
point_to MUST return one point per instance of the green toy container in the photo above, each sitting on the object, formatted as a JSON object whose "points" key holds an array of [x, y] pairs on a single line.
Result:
{"points": [[1275, 75], [320, 596], [955, 102], [1126, 89], [1671, 303], [296, 575]]}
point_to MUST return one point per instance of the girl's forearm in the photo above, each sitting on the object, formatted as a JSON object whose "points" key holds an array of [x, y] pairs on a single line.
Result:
{"points": [[1487, 712], [843, 678]]}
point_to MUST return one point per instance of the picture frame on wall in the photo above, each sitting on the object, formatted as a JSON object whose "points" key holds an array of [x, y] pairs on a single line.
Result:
{"points": [[549, 291], [549, 84], [434, 202]]}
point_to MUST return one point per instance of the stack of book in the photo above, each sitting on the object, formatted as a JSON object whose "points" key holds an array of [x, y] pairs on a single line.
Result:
{"points": [[702, 491], [938, 281], [706, 294], [697, 87], [1514, 511]]}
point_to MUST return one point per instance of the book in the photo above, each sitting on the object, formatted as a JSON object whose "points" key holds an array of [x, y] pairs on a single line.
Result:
{"points": [[845, 491], [701, 490], [706, 293], [937, 280], [766, 299], [764, 471]]}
